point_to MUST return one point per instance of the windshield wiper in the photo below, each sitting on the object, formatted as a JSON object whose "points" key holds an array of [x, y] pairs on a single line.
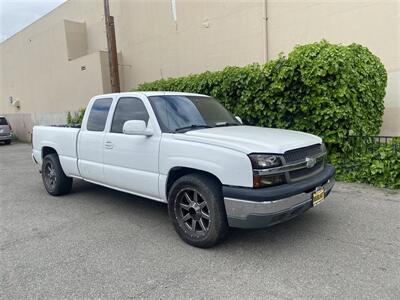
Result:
{"points": [[190, 127], [221, 124]]}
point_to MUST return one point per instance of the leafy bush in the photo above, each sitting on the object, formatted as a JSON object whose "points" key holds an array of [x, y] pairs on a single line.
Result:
{"points": [[380, 167], [328, 90], [333, 91], [77, 118]]}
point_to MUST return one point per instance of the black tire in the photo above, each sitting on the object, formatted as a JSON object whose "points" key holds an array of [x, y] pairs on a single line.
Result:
{"points": [[208, 202], [54, 179], [7, 142]]}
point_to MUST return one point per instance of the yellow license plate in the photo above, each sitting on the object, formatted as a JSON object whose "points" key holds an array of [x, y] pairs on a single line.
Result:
{"points": [[318, 196]]}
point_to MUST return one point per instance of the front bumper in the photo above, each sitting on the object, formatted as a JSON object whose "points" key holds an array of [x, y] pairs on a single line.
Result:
{"points": [[257, 208]]}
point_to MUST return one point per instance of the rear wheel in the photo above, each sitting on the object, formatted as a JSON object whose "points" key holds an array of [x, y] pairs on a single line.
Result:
{"points": [[196, 209], [7, 142], [54, 179]]}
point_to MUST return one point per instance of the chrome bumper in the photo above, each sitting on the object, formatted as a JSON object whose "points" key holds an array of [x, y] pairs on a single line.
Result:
{"points": [[254, 214]]}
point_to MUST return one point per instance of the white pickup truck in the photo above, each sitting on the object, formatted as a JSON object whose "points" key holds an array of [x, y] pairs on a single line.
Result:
{"points": [[187, 150]]}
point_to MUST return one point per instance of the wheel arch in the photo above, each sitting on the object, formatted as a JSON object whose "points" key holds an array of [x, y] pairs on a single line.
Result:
{"points": [[46, 150], [177, 172]]}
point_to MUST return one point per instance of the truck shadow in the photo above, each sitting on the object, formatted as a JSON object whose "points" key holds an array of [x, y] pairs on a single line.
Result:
{"points": [[115, 202], [291, 229], [144, 212]]}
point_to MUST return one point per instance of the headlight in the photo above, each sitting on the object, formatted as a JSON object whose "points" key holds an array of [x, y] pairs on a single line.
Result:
{"points": [[268, 180], [264, 161]]}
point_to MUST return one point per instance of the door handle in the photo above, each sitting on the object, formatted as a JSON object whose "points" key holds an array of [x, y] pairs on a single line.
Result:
{"points": [[108, 145]]}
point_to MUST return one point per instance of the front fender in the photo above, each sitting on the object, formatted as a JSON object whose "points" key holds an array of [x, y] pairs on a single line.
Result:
{"points": [[231, 167]]}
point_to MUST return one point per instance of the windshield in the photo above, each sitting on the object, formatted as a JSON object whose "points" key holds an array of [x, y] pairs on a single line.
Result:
{"points": [[175, 112], [3, 121]]}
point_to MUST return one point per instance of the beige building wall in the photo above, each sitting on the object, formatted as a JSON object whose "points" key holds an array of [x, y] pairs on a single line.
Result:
{"points": [[372, 23], [207, 35], [56, 64], [48, 67], [47, 71]]}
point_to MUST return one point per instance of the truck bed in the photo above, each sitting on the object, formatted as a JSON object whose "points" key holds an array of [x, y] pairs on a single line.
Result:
{"points": [[63, 140], [67, 125]]}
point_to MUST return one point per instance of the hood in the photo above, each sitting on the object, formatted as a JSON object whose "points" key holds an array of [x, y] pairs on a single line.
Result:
{"points": [[251, 139]]}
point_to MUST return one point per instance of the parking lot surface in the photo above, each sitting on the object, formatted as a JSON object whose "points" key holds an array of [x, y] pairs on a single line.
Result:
{"points": [[100, 243]]}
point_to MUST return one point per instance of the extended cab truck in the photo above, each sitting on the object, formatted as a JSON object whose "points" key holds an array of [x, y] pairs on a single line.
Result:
{"points": [[188, 151]]}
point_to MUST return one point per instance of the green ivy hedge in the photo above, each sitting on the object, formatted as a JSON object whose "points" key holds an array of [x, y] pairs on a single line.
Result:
{"points": [[333, 91], [380, 167], [325, 89], [76, 118]]}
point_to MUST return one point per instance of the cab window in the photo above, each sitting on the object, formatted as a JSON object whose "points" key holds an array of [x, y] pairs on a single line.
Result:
{"points": [[98, 114], [128, 108]]}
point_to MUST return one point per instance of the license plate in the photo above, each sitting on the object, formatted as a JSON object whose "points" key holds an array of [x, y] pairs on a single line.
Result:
{"points": [[318, 196]]}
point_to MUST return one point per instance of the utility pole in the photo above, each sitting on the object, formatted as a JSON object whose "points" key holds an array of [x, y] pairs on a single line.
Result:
{"points": [[112, 49]]}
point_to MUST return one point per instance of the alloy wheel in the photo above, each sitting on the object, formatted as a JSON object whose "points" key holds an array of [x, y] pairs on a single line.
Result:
{"points": [[50, 175], [193, 211]]}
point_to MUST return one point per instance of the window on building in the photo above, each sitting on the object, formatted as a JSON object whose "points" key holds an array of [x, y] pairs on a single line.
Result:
{"points": [[128, 109], [98, 114]]}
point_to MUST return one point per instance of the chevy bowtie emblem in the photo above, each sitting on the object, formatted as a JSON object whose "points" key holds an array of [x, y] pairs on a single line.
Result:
{"points": [[310, 162]]}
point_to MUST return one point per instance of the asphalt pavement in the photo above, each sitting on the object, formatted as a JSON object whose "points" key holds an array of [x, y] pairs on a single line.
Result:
{"points": [[100, 243]]}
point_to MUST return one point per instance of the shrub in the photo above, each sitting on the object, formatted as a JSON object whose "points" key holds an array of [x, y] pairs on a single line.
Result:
{"points": [[380, 167], [328, 90], [340, 90], [77, 118], [333, 91]]}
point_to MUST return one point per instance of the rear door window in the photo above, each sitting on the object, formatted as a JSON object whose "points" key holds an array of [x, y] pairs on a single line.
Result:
{"points": [[98, 114]]}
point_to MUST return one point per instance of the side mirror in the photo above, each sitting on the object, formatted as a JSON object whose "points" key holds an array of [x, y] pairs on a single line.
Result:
{"points": [[136, 127], [239, 119]]}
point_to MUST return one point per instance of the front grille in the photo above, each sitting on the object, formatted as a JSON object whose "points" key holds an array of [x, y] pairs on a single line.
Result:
{"points": [[301, 153], [4, 134], [304, 173]]}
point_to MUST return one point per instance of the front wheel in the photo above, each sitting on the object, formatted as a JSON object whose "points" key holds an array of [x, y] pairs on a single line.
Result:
{"points": [[54, 179], [197, 211]]}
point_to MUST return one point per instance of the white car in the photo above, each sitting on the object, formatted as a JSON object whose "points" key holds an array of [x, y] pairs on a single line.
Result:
{"points": [[187, 150]]}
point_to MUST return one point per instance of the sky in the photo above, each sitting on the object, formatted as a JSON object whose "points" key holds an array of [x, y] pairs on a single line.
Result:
{"points": [[17, 14]]}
